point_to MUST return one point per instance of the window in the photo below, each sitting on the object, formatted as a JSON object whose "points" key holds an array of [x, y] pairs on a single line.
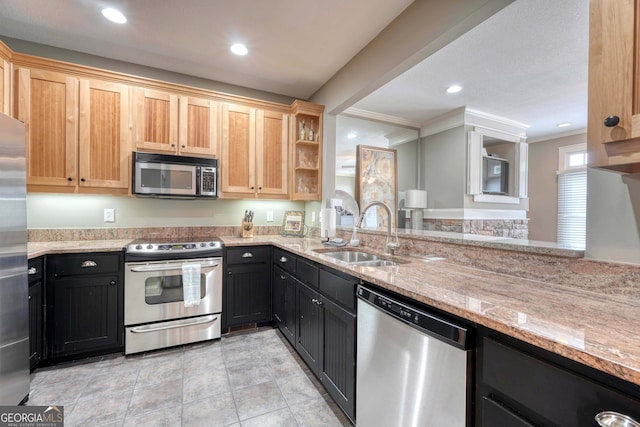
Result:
{"points": [[572, 196]]}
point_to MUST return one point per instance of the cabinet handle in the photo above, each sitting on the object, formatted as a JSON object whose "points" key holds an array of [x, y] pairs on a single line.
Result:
{"points": [[29, 297], [112, 283], [184, 146], [173, 145], [253, 188], [283, 259], [32, 271], [611, 121], [247, 255], [282, 277], [260, 188], [229, 272], [69, 179], [88, 263], [82, 179], [611, 419], [316, 301]]}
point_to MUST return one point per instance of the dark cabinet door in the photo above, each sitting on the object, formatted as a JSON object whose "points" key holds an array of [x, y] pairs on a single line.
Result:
{"points": [[284, 303], [309, 324], [35, 323], [338, 373], [248, 294], [85, 314]]}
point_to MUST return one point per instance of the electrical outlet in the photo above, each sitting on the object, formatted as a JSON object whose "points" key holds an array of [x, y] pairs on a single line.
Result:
{"points": [[269, 216], [110, 215], [313, 217]]}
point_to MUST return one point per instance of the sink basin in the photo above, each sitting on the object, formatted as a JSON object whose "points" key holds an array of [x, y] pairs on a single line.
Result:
{"points": [[359, 258], [375, 263], [352, 256]]}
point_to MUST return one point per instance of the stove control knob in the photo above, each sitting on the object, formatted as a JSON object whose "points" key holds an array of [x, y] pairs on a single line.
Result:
{"points": [[149, 246], [138, 247], [202, 245]]}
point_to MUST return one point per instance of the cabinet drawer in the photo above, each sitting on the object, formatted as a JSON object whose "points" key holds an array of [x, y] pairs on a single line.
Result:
{"points": [[307, 272], [35, 270], [541, 389], [338, 288], [285, 260], [246, 255], [494, 414], [87, 263]]}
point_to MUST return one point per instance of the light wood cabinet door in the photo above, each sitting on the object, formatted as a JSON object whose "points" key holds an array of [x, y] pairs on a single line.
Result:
{"points": [[48, 104], [199, 126], [614, 85], [5, 87], [155, 119], [238, 165], [105, 136], [272, 153]]}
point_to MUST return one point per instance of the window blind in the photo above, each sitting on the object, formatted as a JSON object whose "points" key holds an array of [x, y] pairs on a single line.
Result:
{"points": [[572, 208]]}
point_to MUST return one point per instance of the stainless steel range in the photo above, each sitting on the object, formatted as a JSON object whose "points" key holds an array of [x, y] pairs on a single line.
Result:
{"points": [[158, 275]]}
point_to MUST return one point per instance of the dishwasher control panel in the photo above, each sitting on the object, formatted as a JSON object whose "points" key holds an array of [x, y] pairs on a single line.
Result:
{"points": [[430, 323]]}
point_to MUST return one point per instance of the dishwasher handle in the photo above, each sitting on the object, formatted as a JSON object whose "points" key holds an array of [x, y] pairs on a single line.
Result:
{"points": [[432, 324]]}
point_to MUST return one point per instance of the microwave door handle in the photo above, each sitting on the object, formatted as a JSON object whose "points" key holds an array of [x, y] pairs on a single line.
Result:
{"points": [[148, 268]]}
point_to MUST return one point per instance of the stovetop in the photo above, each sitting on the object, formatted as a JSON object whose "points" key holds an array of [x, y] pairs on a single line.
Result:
{"points": [[171, 248]]}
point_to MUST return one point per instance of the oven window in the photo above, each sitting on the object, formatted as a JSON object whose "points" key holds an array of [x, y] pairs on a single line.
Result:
{"points": [[167, 288]]}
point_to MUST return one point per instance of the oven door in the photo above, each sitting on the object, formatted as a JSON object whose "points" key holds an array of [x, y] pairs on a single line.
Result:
{"points": [[153, 290]]}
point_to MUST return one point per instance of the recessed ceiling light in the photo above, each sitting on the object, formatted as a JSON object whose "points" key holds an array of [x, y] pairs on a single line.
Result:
{"points": [[453, 89], [352, 135], [563, 125], [114, 15], [239, 49]]}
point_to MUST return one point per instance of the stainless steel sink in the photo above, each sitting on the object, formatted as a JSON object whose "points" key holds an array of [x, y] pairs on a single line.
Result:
{"points": [[351, 256], [360, 258]]}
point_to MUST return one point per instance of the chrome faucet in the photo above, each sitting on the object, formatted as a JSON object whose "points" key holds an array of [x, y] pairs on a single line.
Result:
{"points": [[392, 239]]}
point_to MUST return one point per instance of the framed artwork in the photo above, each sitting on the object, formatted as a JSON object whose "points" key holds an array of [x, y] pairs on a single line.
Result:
{"points": [[293, 223], [377, 180]]}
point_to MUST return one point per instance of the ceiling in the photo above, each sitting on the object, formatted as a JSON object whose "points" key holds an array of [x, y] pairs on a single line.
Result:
{"points": [[527, 63]]}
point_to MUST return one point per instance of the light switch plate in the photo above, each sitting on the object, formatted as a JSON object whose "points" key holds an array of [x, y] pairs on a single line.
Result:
{"points": [[269, 216], [110, 215], [313, 217]]}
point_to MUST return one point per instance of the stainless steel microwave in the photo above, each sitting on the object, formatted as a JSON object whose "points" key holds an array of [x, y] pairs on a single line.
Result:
{"points": [[163, 175]]}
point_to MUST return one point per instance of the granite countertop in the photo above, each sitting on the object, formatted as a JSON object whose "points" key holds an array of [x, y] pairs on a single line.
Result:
{"points": [[588, 327]]}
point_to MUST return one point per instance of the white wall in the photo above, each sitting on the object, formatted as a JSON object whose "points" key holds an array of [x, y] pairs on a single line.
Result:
{"points": [[443, 165], [86, 211]]}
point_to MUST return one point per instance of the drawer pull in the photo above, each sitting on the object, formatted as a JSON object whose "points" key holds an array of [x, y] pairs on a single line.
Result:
{"points": [[283, 259], [247, 255], [614, 419], [32, 271], [282, 277], [316, 301], [88, 263]]}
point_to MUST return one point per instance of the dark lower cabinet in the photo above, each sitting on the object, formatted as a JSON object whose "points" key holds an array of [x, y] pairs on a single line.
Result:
{"points": [[521, 386], [247, 288], [284, 303], [322, 302], [84, 304], [36, 314]]}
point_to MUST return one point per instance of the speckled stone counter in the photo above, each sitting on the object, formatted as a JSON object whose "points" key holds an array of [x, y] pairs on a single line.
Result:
{"points": [[591, 327], [36, 249]]}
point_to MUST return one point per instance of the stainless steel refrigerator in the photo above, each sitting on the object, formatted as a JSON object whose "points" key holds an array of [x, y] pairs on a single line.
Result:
{"points": [[14, 291]]}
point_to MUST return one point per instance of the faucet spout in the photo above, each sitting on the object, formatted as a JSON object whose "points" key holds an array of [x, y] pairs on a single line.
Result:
{"points": [[392, 242]]}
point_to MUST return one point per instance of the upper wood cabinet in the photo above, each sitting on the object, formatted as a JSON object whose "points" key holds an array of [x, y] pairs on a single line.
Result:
{"points": [[5, 87], [104, 134], [155, 118], [306, 153], [199, 126], [614, 85], [77, 131], [254, 153], [48, 106], [166, 122]]}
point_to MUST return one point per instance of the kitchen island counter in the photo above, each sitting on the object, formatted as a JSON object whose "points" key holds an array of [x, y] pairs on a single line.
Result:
{"points": [[593, 328]]}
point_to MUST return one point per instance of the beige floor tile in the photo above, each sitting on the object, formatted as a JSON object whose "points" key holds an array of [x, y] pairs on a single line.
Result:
{"points": [[258, 400], [213, 411], [147, 399]]}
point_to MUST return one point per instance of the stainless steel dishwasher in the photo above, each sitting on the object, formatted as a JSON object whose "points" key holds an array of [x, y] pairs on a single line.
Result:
{"points": [[413, 367]]}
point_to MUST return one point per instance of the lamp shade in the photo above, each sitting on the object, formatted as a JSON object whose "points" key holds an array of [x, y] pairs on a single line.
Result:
{"points": [[415, 199]]}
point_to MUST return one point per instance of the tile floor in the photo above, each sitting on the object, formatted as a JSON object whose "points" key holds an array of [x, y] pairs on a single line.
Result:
{"points": [[247, 379]]}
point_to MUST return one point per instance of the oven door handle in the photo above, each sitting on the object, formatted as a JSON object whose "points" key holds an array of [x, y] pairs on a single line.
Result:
{"points": [[146, 269], [177, 324]]}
